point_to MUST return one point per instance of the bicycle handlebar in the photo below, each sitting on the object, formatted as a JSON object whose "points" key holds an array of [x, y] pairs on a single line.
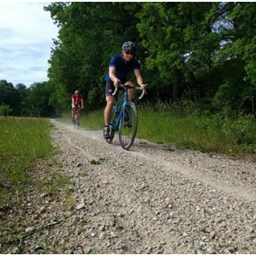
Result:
{"points": [[129, 87]]}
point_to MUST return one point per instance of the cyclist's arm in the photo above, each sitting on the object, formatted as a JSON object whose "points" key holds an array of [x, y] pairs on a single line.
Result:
{"points": [[82, 102], [139, 78], [73, 102], [112, 75]]}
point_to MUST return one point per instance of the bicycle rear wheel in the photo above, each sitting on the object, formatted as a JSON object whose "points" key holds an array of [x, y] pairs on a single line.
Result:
{"points": [[128, 126], [77, 121]]}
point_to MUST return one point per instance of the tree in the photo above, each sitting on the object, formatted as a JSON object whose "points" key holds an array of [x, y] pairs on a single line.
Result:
{"points": [[179, 43], [22, 91], [38, 100], [5, 110], [9, 96], [89, 34], [204, 51], [237, 56]]}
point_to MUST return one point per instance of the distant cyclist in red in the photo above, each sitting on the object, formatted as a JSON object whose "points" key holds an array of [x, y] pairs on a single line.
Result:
{"points": [[77, 103]]}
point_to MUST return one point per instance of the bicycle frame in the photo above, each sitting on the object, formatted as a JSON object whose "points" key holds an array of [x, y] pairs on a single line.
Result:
{"points": [[124, 121], [77, 112], [118, 110]]}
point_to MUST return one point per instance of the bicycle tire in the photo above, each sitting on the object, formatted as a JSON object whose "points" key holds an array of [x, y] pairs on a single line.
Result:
{"points": [[76, 121], [128, 126], [112, 132], [111, 136]]}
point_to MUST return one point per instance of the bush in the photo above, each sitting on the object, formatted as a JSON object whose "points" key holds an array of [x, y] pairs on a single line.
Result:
{"points": [[5, 110]]}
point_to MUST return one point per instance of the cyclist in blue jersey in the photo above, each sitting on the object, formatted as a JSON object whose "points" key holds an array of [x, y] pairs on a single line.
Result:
{"points": [[119, 68]]}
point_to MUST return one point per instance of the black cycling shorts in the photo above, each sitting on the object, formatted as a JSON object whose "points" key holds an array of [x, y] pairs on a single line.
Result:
{"points": [[110, 88]]}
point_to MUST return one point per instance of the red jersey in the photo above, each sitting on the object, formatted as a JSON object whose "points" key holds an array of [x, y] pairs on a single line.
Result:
{"points": [[77, 99]]}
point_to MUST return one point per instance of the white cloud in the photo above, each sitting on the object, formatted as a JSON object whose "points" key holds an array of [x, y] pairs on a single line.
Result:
{"points": [[26, 38]]}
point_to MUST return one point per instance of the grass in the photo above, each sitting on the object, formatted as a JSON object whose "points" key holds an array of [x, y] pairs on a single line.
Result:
{"points": [[188, 128], [208, 133], [28, 178], [22, 141]]}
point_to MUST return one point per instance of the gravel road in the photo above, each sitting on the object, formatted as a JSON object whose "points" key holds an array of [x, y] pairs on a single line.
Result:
{"points": [[151, 199]]}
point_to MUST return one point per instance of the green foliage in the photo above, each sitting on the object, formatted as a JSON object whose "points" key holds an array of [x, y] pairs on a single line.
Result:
{"points": [[8, 96], [242, 130], [22, 101], [38, 100], [89, 35], [5, 110], [95, 97], [200, 51], [189, 125], [22, 141], [54, 182], [97, 161], [177, 41]]}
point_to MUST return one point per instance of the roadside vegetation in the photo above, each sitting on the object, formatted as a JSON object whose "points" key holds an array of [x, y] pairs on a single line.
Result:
{"points": [[187, 126], [194, 56], [28, 176], [22, 142], [199, 58]]}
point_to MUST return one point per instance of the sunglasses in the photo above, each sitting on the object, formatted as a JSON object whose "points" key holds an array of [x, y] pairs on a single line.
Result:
{"points": [[129, 53]]}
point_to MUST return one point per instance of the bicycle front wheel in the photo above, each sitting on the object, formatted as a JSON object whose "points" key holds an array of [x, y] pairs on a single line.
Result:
{"points": [[128, 125], [77, 121]]}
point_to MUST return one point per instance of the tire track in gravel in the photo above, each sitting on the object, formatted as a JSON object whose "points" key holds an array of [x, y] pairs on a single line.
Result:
{"points": [[123, 209], [159, 156], [206, 178], [153, 200]]}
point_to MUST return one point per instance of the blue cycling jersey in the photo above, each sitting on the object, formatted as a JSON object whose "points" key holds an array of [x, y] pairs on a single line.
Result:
{"points": [[122, 66]]}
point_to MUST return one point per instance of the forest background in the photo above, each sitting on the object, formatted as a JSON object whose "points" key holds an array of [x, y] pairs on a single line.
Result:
{"points": [[201, 55]]}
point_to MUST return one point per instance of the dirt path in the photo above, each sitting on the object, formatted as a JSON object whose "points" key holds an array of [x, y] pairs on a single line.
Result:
{"points": [[148, 200]]}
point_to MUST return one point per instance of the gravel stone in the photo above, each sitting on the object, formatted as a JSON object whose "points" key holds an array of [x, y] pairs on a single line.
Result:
{"points": [[149, 199]]}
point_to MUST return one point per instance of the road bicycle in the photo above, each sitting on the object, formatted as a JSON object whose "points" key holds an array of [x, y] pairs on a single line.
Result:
{"points": [[125, 117], [76, 120]]}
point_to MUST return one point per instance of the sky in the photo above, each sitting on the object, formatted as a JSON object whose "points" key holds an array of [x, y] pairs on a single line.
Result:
{"points": [[26, 39]]}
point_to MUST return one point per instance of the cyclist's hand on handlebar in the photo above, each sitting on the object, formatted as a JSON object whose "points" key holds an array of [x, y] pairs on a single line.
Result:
{"points": [[144, 87], [116, 82]]}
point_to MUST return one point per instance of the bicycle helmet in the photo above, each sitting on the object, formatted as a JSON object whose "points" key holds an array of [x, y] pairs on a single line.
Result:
{"points": [[76, 91], [129, 47]]}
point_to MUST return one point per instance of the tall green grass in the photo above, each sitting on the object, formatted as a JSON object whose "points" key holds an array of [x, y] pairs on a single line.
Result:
{"points": [[22, 141], [189, 127], [197, 130]]}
